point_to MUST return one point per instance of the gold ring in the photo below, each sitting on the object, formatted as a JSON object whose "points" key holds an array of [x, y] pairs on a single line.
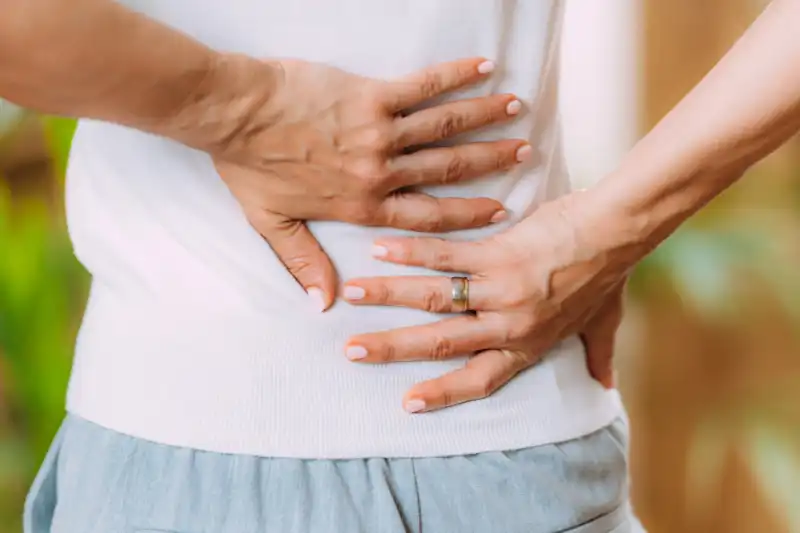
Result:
{"points": [[460, 293]]}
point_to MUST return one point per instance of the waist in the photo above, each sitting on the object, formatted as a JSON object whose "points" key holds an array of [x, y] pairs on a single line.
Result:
{"points": [[187, 373]]}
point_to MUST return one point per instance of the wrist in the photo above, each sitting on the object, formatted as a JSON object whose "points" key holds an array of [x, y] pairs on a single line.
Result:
{"points": [[613, 227], [639, 206], [227, 105]]}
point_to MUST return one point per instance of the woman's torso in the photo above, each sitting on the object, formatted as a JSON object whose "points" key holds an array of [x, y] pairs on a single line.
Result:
{"points": [[195, 335]]}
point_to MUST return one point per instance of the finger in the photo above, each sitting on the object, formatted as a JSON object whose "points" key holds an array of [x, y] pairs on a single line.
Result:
{"points": [[440, 166], [446, 339], [428, 214], [450, 119], [302, 256], [599, 335], [433, 254], [429, 293], [423, 85], [482, 376]]}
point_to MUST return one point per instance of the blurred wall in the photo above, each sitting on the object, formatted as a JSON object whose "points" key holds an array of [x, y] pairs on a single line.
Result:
{"points": [[709, 354]]}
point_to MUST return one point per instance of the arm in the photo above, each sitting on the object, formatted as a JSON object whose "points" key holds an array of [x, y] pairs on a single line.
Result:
{"points": [[743, 110], [98, 59]]}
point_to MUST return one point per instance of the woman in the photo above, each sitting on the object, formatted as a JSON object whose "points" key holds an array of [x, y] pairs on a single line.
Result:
{"points": [[206, 395]]}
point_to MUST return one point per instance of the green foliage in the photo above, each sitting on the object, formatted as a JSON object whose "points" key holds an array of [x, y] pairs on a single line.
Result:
{"points": [[706, 265], [58, 133], [40, 287], [42, 290]]}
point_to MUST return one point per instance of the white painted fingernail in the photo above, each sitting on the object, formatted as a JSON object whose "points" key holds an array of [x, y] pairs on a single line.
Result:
{"points": [[486, 67], [379, 251], [415, 406], [354, 293], [317, 299], [354, 353], [499, 216], [514, 107], [524, 153]]}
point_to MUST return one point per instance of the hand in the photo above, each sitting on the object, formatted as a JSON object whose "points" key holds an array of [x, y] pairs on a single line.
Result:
{"points": [[329, 145], [539, 282]]}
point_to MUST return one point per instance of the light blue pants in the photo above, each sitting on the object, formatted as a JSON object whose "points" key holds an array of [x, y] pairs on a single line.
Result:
{"points": [[97, 481]]}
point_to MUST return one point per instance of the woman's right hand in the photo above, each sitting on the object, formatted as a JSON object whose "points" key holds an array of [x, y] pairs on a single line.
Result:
{"points": [[329, 145]]}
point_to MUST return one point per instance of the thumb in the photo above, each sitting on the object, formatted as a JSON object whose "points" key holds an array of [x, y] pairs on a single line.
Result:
{"points": [[599, 335], [301, 254]]}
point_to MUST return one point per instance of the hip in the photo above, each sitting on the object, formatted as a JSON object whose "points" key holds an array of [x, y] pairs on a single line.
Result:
{"points": [[211, 379]]}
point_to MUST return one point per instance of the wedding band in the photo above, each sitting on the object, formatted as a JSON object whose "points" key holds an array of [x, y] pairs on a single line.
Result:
{"points": [[460, 293]]}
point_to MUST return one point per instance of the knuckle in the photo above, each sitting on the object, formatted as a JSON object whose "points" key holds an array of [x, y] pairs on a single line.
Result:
{"points": [[513, 328], [392, 217], [389, 353], [442, 349], [443, 258], [434, 301], [382, 294], [456, 169], [370, 170], [375, 95], [432, 223], [361, 217], [505, 158], [487, 385], [449, 125], [447, 397], [431, 84], [357, 212], [472, 218], [297, 265], [377, 139]]}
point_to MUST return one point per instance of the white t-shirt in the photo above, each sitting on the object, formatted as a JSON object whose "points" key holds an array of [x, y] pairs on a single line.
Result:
{"points": [[195, 335]]}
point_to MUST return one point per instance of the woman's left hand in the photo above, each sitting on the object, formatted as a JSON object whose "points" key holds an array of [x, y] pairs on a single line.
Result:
{"points": [[544, 279]]}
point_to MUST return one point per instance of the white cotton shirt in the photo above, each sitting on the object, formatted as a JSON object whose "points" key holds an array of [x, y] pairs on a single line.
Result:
{"points": [[195, 335]]}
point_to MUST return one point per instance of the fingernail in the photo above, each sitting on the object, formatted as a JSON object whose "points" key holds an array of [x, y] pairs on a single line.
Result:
{"points": [[499, 216], [354, 293], [415, 406], [524, 153], [354, 353], [379, 251], [514, 107], [486, 67], [317, 299]]}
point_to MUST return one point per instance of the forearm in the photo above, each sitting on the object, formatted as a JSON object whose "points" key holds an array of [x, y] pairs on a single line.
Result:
{"points": [[97, 59], [744, 109]]}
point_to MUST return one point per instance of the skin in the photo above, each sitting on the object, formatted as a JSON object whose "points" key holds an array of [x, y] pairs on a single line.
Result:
{"points": [[278, 131], [561, 271], [340, 136]]}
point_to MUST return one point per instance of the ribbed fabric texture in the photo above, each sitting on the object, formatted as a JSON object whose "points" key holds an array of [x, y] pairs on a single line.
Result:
{"points": [[195, 334]]}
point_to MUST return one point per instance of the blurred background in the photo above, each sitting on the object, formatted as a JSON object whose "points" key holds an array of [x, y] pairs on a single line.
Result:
{"points": [[709, 355]]}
